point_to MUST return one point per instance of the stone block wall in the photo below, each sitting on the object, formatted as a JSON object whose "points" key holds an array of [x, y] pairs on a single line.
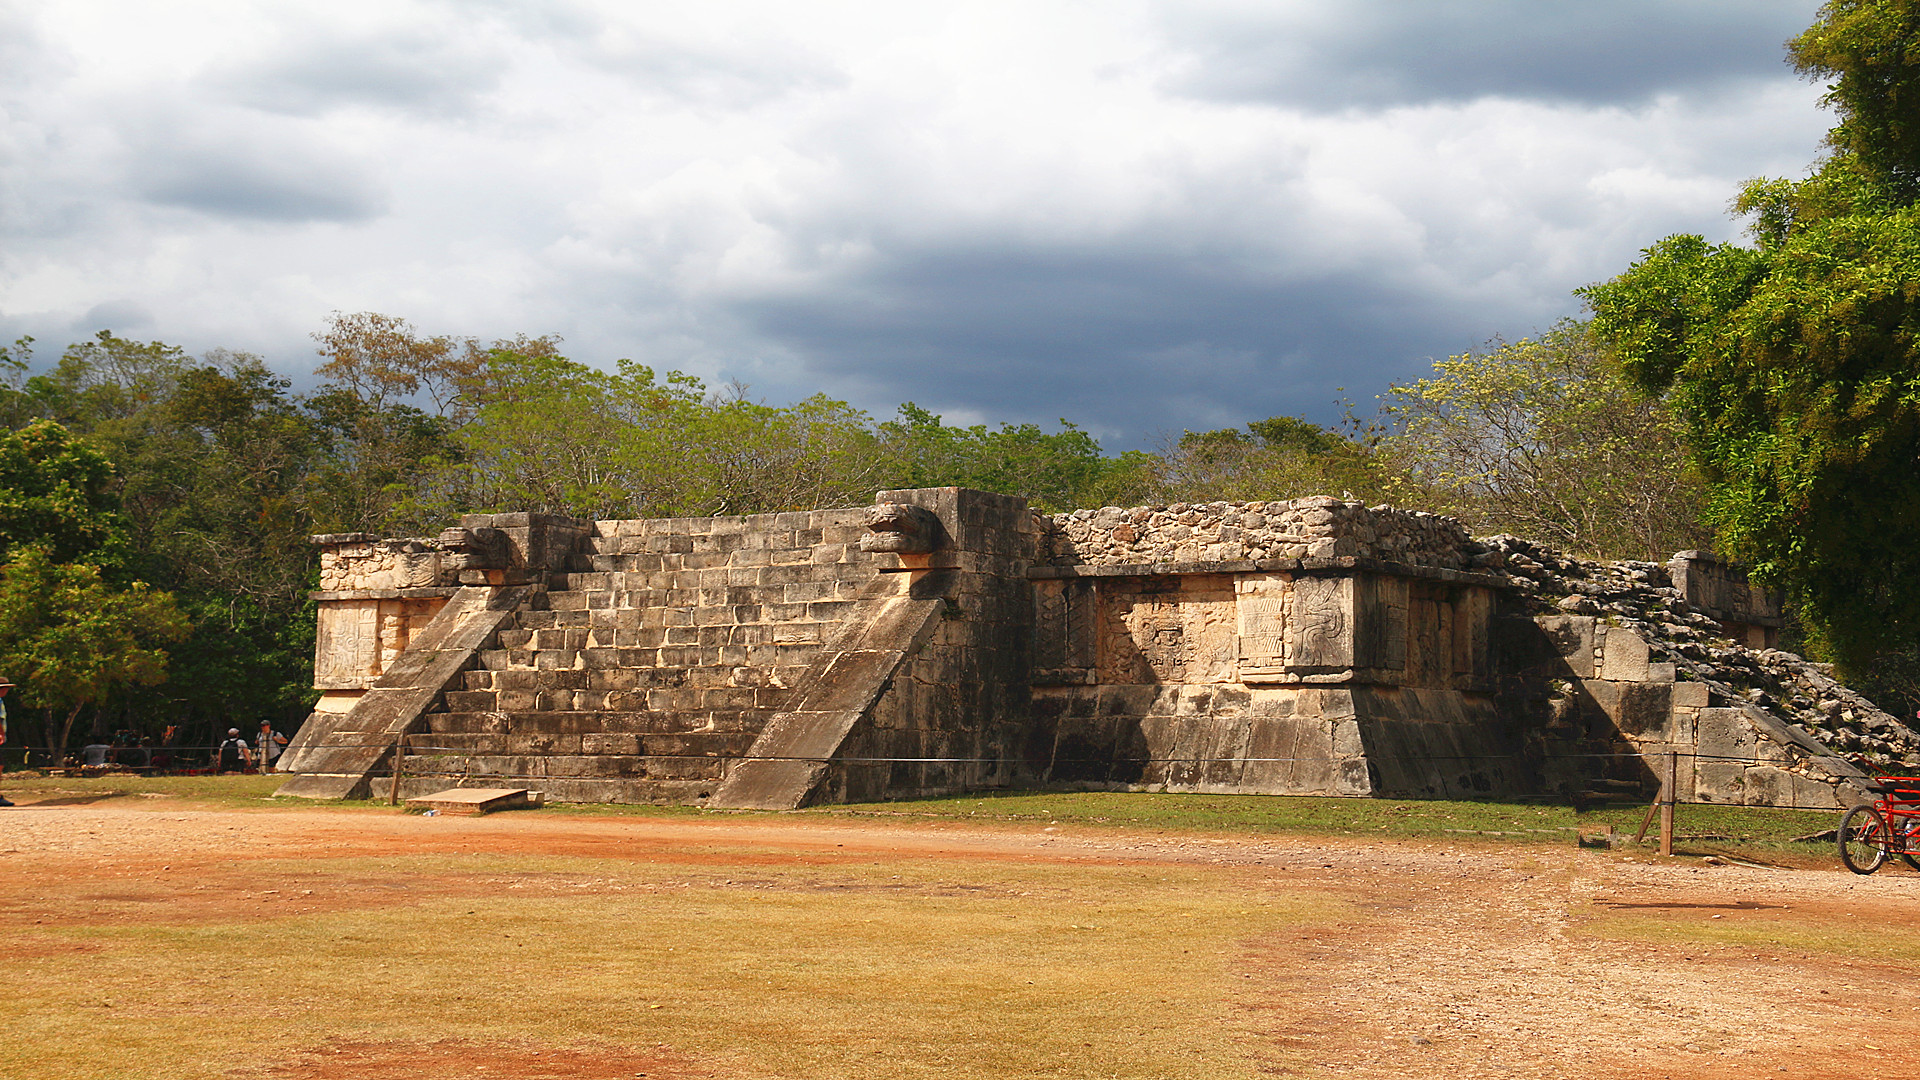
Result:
{"points": [[1301, 677], [950, 640], [355, 562]]}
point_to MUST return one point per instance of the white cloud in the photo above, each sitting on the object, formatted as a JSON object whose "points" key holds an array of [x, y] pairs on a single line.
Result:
{"points": [[1011, 211]]}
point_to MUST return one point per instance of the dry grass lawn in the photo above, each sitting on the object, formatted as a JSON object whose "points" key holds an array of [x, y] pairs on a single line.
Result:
{"points": [[161, 937]]}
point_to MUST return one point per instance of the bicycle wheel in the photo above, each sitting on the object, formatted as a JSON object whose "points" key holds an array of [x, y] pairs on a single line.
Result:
{"points": [[1903, 833], [1863, 839]]}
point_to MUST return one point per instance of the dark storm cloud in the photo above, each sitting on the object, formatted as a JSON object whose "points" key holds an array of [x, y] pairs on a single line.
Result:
{"points": [[258, 182], [1376, 53], [1129, 345]]}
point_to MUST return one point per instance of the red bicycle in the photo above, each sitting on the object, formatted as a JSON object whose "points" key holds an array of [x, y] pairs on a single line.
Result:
{"points": [[1889, 825]]}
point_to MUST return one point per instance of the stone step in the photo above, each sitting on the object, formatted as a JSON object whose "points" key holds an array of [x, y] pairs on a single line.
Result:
{"points": [[448, 746], [583, 722], [661, 699], [580, 613], [524, 757], [673, 587], [605, 679], [609, 637], [582, 789]]}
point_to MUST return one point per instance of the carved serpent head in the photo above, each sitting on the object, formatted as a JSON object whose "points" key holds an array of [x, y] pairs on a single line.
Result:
{"points": [[901, 529]]}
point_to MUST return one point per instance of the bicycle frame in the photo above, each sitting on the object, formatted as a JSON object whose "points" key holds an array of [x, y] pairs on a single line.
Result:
{"points": [[1890, 825]]}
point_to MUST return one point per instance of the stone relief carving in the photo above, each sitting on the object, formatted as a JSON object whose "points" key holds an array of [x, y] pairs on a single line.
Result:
{"points": [[901, 529], [1321, 626]]}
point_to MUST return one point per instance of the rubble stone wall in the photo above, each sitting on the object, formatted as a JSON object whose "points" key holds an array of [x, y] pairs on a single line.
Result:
{"points": [[1314, 528]]}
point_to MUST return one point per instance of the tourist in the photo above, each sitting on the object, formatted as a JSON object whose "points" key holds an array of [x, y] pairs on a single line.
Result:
{"points": [[234, 754], [4, 687], [269, 744]]}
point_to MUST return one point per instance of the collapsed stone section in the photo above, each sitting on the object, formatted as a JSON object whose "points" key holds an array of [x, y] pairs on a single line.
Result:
{"points": [[1645, 657]]}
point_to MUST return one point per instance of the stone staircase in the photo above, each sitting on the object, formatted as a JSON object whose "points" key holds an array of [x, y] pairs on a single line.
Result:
{"points": [[654, 661], [763, 661]]}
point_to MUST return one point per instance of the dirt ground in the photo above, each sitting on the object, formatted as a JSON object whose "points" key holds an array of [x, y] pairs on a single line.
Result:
{"points": [[1461, 961]]}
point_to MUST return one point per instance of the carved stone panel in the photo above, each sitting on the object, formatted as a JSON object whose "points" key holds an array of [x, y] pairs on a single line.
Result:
{"points": [[1065, 631], [346, 648], [1167, 629], [357, 640], [1261, 603], [1320, 629]]}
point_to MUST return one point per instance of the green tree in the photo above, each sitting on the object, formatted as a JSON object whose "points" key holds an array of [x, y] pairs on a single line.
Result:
{"points": [[217, 469], [1281, 457], [1058, 470], [69, 639], [1791, 360], [743, 457], [56, 492], [542, 435], [1548, 439]]}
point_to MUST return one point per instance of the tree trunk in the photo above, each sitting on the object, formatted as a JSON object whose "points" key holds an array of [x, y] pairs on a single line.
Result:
{"points": [[66, 729]]}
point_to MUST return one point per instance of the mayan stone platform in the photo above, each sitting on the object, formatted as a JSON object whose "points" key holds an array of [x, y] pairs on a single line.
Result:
{"points": [[946, 640]]}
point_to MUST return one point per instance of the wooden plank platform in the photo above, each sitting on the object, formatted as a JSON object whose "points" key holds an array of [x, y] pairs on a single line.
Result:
{"points": [[477, 800]]}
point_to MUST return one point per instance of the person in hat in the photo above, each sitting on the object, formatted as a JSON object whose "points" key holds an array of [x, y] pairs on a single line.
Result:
{"points": [[268, 745], [4, 687], [234, 754]]}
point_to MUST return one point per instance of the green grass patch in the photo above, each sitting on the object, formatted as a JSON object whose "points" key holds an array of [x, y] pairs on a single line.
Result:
{"points": [[232, 790], [1760, 829], [1761, 833], [1765, 932]]}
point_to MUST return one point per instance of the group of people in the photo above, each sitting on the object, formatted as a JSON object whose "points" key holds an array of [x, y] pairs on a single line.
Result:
{"points": [[237, 756]]}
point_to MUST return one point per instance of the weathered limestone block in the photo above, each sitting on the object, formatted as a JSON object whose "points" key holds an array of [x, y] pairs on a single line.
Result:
{"points": [[1624, 656], [1261, 602], [1170, 629]]}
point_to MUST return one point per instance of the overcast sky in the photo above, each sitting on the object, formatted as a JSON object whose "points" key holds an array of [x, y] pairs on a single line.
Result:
{"points": [[1140, 216]]}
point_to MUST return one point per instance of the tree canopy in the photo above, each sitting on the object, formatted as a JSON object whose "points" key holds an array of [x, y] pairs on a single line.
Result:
{"points": [[1547, 438], [1791, 360]]}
